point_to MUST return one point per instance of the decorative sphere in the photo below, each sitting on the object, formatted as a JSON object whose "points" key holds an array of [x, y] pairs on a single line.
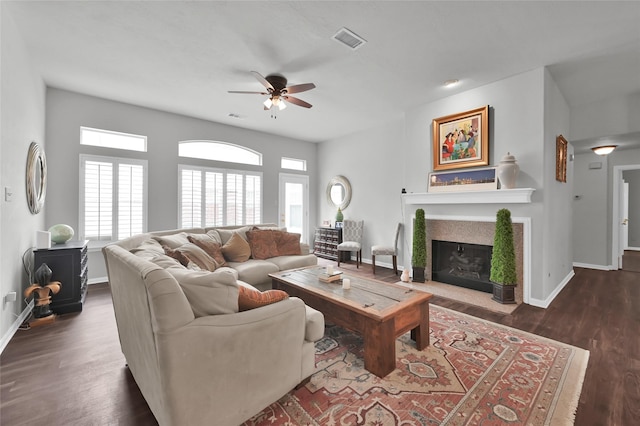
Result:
{"points": [[60, 233]]}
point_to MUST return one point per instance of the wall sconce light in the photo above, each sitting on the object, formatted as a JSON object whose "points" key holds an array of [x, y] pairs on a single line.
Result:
{"points": [[604, 150]]}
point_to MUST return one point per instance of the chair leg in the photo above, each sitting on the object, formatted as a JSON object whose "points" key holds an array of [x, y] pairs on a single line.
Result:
{"points": [[358, 258], [395, 264], [373, 263], [339, 254]]}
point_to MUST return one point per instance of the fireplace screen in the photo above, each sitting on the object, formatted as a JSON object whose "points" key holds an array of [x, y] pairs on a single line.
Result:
{"points": [[461, 264]]}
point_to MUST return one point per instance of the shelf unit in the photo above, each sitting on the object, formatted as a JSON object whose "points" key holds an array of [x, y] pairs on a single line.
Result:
{"points": [[326, 244], [68, 262]]}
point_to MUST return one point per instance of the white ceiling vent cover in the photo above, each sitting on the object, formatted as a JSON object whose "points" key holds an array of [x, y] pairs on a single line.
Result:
{"points": [[349, 38]]}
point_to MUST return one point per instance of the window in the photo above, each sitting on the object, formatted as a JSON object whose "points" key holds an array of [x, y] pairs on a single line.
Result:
{"points": [[218, 197], [293, 164], [219, 151], [110, 139], [113, 197]]}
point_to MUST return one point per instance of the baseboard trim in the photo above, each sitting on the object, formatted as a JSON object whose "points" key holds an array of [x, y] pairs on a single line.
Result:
{"points": [[98, 280], [14, 327], [591, 266], [545, 303]]}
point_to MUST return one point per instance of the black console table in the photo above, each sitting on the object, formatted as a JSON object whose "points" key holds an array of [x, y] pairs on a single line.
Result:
{"points": [[68, 262], [326, 244]]}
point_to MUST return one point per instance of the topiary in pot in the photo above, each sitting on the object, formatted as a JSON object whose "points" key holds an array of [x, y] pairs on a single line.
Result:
{"points": [[503, 259], [339, 215], [419, 252]]}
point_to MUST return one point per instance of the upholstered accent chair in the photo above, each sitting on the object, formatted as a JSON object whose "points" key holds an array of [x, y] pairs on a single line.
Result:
{"points": [[381, 250], [352, 231]]}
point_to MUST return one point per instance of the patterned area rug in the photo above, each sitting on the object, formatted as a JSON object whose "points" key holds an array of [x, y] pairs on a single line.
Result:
{"points": [[474, 373]]}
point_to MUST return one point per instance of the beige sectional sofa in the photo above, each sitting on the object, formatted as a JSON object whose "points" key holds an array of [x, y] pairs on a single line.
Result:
{"points": [[196, 355]]}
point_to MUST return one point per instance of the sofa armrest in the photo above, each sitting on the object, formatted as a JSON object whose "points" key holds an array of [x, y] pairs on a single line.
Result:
{"points": [[208, 363], [314, 325]]}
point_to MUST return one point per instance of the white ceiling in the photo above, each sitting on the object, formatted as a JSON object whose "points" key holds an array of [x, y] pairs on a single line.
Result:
{"points": [[183, 57]]}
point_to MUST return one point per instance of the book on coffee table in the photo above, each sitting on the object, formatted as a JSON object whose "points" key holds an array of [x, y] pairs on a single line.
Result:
{"points": [[334, 276]]}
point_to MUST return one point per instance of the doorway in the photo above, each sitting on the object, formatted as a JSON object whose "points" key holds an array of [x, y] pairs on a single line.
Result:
{"points": [[293, 208], [625, 216]]}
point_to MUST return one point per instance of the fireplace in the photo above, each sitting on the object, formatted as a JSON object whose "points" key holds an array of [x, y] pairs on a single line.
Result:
{"points": [[462, 264]]}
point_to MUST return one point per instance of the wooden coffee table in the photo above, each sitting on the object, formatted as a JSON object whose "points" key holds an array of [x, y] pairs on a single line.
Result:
{"points": [[379, 311]]}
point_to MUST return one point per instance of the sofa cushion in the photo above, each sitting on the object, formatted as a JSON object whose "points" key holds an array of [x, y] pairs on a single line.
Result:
{"points": [[190, 252], [212, 247], [166, 262], [172, 241], [263, 243], [314, 325], [254, 271], [288, 244], [148, 249], [226, 234], [236, 249], [291, 262], [250, 298], [209, 293]]}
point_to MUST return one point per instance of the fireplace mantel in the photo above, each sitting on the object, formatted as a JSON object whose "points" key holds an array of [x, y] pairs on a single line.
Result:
{"points": [[500, 196]]}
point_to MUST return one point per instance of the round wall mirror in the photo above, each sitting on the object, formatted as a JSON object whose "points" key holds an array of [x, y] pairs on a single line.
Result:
{"points": [[339, 192], [36, 178]]}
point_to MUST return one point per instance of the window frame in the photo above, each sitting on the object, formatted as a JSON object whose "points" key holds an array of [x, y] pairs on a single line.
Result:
{"points": [[115, 162], [203, 192], [298, 160], [224, 160], [112, 132]]}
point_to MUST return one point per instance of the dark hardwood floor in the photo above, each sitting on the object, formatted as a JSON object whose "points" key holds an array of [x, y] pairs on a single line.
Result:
{"points": [[73, 373], [631, 261]]}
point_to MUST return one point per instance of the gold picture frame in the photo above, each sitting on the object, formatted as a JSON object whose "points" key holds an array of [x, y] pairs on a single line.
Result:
{"points": [[561, 158], [461, 140]]}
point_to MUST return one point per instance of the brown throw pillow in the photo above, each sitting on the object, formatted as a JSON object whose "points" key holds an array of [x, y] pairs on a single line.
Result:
{"points": [[209, 245], [192, 253], [236, 249], [264, 243], [288, 244], [249, 298]]}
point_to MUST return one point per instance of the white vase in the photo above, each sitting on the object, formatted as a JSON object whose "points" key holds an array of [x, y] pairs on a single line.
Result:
{"points": [[508, 171], [405, 276]]}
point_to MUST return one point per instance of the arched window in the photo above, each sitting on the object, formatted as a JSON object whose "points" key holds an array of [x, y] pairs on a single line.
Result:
{"points": [[219, 151]]}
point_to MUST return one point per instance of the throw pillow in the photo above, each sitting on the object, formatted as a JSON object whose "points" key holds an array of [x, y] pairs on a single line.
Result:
{"points": [[209, 245], [226, 234], [250, 298], [209, 293], [289, 244], [264, 243], [166, 262], [236, 249], [172, 241], [190, 252]]}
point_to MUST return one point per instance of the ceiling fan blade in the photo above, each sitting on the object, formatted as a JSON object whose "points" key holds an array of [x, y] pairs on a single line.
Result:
{"points": [[263, 81], [297, 101], [248, 93], [297, 88]]}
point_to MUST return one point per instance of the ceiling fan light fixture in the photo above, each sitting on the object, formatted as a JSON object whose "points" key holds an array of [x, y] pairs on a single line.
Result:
{"points": [[604, 150], [268, 103], [451, 83]]}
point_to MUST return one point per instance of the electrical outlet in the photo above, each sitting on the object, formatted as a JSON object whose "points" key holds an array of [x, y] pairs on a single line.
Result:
{"points": [[10, 297], [8, 194]]}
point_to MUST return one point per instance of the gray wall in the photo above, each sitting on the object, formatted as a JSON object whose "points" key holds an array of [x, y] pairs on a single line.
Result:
{"points": [[22, 100], [398, 155], [633, 178], [67, 111]]}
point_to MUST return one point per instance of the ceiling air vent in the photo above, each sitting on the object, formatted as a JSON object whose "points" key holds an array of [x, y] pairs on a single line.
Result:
{"points": [[349, 38]]}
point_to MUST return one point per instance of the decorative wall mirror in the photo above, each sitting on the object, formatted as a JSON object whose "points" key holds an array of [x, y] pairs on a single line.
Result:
{"points": [[339, 192], [36, 178]]}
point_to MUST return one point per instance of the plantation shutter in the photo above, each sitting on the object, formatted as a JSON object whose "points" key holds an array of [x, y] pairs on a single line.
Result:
{"points": [[234, 199], [130, 200], [214, 199], [253, 196], [191, 198], [98, 200]]}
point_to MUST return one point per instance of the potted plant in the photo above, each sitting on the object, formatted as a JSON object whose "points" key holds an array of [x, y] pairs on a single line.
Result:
{"points": [[503, 260], [419, 253]]}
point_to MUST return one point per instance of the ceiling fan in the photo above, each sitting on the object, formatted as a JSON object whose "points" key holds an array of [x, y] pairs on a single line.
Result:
{"points": [[278, 91]]}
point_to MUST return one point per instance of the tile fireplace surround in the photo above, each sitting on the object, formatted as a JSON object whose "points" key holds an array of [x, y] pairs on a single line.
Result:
{"points": [[474, 231]]}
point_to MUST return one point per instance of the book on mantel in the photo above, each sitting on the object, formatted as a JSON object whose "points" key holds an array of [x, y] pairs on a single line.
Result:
{"points": [[334, 276]]}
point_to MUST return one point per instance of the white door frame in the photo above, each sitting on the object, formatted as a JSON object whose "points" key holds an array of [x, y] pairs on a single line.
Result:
{"points": [[616, 239], [303, 179]]}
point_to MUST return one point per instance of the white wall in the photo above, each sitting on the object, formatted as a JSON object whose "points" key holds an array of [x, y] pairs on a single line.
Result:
{"points": [[67, 111], [614, 116], [380, 162], [558, 204], [22, 97], [374, 163], [633, 178]]}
